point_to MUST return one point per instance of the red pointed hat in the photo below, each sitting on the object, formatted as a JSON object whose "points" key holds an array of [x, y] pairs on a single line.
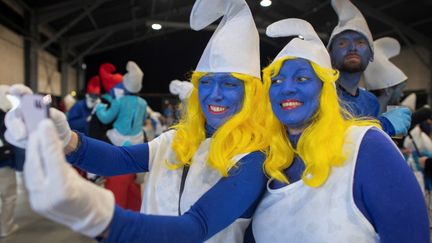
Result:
{"points": [[93, 86], [109, 78]]}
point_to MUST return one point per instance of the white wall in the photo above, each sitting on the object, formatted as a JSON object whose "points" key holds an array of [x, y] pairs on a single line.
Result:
{"points": [[72, 80], [11, 57], [12, 65], [48, 76], [419, 74]]}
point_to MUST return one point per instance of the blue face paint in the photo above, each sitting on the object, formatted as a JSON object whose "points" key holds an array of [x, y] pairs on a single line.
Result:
{"points": [[220, 96], [350, 52], [294, 93]]}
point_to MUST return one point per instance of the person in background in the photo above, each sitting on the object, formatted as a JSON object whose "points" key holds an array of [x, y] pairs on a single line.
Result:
{"points": [[205, 174], [8, 183], [79, 115], [334, 177], [109, 79], [127, 112], [384, 78], [351, 49]]}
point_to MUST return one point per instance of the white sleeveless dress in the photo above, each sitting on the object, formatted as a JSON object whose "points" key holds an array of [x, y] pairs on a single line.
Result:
{"points": [[298, 213], [161, 189]]}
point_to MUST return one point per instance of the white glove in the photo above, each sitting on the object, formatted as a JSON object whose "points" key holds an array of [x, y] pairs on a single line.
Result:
{"points": [[13, 118], [181, 88], [57, 192], [17, 134], [19, 90]]}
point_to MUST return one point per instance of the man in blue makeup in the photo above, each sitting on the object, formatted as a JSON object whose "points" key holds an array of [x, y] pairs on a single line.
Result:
{"points": [[351, 49]]}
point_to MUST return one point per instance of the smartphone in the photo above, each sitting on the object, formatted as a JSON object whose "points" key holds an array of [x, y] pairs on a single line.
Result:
{"points": [[34, 109]]}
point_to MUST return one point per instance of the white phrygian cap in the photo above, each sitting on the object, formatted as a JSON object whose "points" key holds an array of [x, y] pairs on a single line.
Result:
{"points": [[132, 80], [234, 46], [350, 18], [410, 102], [306, 45], [381, 73]]}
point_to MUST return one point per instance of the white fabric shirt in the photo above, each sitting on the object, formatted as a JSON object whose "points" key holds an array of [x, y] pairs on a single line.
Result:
{"points": [[299, 213], [161, 190]]}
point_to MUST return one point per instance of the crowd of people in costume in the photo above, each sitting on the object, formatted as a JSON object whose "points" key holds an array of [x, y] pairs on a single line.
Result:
{"points": [[294, 152]]}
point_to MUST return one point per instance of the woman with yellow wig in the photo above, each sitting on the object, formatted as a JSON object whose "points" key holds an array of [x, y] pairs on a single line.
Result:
{"points": [[205, 176], [335, 178]]}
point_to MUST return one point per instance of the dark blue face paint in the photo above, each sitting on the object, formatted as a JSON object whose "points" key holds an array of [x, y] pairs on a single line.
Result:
{"points": [[220, 96], [294, 93], [350, 52]]}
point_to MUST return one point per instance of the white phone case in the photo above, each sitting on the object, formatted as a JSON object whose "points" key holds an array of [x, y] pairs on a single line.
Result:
{"points": [[34, 109]]}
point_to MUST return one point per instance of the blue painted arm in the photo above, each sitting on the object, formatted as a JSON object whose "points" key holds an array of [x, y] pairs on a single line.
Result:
{"points": [[387, 193], [105, 159], [231, 198]]}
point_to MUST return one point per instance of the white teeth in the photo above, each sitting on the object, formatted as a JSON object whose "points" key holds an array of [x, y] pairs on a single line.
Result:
{"points": [[291, 104], [216, 108]]}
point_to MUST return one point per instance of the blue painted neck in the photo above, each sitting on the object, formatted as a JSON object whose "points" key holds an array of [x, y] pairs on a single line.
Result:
{"points": [[294, 139], [209, 130], [350, 81]]}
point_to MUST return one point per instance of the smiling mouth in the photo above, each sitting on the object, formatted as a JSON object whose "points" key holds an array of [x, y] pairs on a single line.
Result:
{"points": [[215, 109], [290, 104]]}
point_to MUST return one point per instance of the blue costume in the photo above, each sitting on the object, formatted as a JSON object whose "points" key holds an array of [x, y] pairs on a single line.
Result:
{"points": [[235, 196], [337, 181], [127, 111], [364, 103], [128, 114], [371, 179], [77, 117], [351, 49]]}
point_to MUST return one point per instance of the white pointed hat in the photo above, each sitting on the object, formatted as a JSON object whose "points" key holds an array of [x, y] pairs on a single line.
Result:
{"points": [[306, 45], [382, 73], [181, 88], [132, 80], [234, 46], [350, 18], [410, 101]]}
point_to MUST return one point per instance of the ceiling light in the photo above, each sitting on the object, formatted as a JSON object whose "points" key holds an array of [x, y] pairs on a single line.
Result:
{"points": [[156, 26], [265, 3]]}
